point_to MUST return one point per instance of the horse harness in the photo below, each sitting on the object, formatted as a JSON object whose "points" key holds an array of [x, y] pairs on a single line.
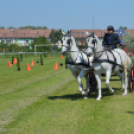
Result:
{"points": [[105, 60], [95, 59], [74, 63]]}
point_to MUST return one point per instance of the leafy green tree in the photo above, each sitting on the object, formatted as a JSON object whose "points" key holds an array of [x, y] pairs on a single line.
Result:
{"points": [[55, 36], [33, 27], [44, 27], [41, 41], [11, 27], [123, 28], [128, 39], [2, 28]]}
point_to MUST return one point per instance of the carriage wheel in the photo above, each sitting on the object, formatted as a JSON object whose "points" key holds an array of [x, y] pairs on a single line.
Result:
{"points": [[131, 78], [131, 86]]}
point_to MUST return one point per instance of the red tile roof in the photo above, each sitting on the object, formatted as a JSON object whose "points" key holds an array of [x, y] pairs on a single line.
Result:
{"points": [[28, 33], [131, 31], [24, 33], [98, 32], [78, 33]]}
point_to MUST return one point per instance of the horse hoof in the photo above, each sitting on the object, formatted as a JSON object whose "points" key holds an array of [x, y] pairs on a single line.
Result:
{"points": [[112, 92], [84, 93], [85, 97], [124, 94], [98, 99]]}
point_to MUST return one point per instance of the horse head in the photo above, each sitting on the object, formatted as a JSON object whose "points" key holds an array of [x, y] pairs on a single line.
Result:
{"points": [[66, 42], [91, 43]]}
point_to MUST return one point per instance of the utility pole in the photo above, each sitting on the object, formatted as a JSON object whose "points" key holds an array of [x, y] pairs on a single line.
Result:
{"points": [[93, 17], [93, 21]]}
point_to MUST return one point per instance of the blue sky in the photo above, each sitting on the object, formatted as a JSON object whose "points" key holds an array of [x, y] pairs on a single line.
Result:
{"points": [[67, 14]]}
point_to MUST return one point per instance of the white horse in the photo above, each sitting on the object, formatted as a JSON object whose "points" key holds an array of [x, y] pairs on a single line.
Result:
{"points": [[77, 61], [107, 62]]}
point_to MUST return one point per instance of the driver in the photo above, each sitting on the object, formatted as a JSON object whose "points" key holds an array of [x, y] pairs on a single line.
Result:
{"points": [[111, 40]]}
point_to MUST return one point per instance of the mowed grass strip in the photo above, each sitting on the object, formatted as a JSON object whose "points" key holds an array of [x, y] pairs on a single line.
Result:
{"points": [[48, 102], [17, 93]]}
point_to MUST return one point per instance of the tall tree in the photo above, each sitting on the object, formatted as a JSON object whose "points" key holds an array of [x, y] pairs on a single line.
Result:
{"points": [[55, 36], [128, 39], [41, 41], [2, 28], [11, 27], [33, 27], [123, 28]]}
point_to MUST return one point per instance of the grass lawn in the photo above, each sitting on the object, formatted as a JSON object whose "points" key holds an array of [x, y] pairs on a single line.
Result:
{"points": [[47, 101]]}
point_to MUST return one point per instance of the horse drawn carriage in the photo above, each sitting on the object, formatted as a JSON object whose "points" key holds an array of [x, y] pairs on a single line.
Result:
{"points": [[95, 61]]}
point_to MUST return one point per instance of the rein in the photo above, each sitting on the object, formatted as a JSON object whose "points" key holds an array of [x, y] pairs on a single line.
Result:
{"points": [[82, 63], [106, 50]]}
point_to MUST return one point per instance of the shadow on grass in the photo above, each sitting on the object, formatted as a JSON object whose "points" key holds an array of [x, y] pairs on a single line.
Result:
{"points": [[68, 96], [130, 112], [112, 80], [79, 96]]}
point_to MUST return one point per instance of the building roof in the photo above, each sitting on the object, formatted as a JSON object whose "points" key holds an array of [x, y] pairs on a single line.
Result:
{"points": [[98, 32], [24, 33], [28, 33], [81, 33], [130, 30]]}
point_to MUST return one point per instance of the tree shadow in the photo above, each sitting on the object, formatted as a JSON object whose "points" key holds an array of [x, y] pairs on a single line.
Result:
{"points": [[73, 97]]}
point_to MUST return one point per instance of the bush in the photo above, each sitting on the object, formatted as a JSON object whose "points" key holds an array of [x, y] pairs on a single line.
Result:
{"points": [[40, 41], [11, 48]]}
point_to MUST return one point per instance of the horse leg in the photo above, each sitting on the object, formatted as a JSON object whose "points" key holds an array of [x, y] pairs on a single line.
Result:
{"points": [[87, 83], [126, 80], [98, 79], [79, 79], [108, 75], [80, 86], [122, 79]]}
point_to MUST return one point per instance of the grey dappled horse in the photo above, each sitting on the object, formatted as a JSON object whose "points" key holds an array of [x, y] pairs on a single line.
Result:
{"points": [[77, 61], [107, 62]]}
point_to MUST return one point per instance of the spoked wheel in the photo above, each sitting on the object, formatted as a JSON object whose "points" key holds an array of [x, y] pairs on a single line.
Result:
{"points": [[92, 82], [131, 78], [132, 86]]}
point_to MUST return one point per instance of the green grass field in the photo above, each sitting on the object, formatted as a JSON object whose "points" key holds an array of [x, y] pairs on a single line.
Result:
{"points": [[47, 101]]}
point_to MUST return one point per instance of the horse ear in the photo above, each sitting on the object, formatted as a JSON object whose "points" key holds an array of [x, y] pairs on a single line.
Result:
{"points": [[63, 32], [87, 33], [71, 33]]}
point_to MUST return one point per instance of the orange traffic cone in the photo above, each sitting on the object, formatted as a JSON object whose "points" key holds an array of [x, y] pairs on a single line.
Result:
{"points": [[62, 56], [32, 63], [49, 56], [9, 64], [28, 67], [15, 61], [56, 66]]}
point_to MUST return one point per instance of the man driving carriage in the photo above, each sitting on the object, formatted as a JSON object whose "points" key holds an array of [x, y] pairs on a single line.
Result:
{"points": [[111, 40]]}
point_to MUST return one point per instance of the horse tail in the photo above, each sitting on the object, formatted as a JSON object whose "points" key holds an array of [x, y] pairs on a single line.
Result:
{"points": [[128, 63]]}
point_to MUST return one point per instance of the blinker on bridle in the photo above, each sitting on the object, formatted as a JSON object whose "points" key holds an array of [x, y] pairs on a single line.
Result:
{"points": [[93, 42], [68, 42]]}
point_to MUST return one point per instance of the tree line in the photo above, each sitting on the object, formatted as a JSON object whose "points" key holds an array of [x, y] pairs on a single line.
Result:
{"points": [[26, 27]]}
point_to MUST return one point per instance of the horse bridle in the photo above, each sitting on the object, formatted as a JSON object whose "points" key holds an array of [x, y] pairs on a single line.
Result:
{"points": [[94, 40], [68, 42]]}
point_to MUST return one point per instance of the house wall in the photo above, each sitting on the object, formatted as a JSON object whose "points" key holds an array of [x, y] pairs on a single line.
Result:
{"points": [[24, 41]]}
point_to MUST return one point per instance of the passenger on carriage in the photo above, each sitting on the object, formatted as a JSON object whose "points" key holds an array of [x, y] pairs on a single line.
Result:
{"points": [[111, 40]]}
